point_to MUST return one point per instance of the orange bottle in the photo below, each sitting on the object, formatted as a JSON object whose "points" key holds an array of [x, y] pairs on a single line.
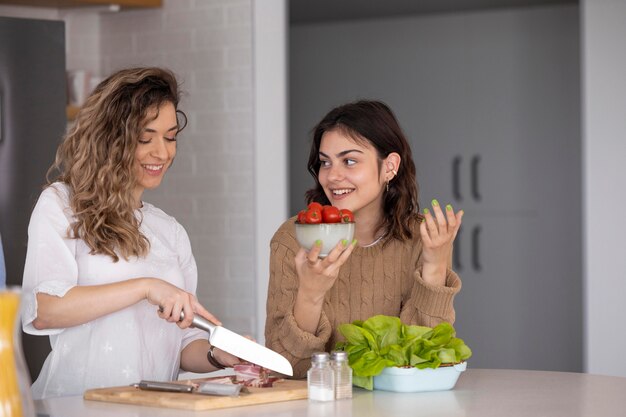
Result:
{"points": [[15, 396]]}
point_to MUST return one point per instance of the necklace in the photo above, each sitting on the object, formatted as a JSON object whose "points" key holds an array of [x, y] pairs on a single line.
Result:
{"points": [[378, 239]]}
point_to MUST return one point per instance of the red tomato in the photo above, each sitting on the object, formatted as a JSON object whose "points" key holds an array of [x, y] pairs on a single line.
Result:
{"points": [[302, 216], [346, 216], [315, 206], [330, 214], [313, 216]]}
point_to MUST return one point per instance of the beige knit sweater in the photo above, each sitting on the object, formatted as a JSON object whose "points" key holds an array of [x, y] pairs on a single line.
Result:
{"points": [[381, 279]]}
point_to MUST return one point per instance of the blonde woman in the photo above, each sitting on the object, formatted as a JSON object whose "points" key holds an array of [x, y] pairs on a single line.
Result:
{"points": [[101, 262]]}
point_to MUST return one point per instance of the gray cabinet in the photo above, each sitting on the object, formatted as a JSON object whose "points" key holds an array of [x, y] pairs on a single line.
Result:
{"points": [[491, 103]]}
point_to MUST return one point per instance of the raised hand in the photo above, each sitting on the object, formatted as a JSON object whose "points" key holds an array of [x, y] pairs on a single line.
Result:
{"points": [[438, 231]]}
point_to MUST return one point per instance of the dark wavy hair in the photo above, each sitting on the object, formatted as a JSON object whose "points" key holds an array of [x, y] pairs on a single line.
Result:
{"points": [[97, 156], [373, 122]]}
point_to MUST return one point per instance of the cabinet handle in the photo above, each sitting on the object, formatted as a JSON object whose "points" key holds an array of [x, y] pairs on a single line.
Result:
{"points": [[476, 248], [475, 162], [456, 252], [456, 190]]}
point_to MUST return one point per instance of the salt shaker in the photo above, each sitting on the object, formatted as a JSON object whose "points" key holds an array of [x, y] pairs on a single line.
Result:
{"points": [[343, 375], [321, 378]]}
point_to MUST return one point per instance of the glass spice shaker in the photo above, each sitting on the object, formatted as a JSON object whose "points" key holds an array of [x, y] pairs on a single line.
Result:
{"points": [[321, 378], [343, 374]]}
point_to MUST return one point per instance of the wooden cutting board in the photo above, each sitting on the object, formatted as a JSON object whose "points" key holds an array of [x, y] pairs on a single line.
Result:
{"points": [[281, 391]]}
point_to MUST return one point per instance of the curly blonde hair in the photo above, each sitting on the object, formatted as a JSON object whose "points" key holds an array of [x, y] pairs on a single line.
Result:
{"points": [[97, 156]]}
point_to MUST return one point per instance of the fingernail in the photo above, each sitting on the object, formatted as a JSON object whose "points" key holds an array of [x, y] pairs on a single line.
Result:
{"points": [[318, 242], [426, 211], [423, 219], [435, 203], [449, 207], [344, 242], [354, 242]]}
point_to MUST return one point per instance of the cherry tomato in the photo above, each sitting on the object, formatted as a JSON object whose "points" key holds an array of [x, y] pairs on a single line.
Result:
{"points": [[346, 216], [314, 206], [302, 216], [313, 216], [330, 214]]}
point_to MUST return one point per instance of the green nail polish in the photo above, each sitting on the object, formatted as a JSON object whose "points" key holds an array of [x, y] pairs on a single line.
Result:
{"points": [[354, 242], [344, 242], [435, 203], [426, 211], [449, 207], [318, 242]]}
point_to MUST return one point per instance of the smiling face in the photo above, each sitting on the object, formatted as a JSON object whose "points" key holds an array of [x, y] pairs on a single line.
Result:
{"points": [[156, 148], [350, 176]]}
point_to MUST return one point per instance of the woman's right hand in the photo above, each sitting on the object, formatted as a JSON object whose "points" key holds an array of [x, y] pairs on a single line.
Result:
{"points": [[172, 300]]}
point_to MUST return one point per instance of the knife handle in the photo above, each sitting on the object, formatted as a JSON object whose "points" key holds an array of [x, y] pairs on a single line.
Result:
{"points": [[163, 386], [200, 323]]}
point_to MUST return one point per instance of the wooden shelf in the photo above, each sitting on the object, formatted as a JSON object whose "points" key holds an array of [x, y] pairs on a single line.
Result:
{"points": [[82, 3]]}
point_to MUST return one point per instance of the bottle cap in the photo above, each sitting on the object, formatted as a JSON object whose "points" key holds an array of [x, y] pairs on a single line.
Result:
{"points": [[320, 357], [339, 355]]}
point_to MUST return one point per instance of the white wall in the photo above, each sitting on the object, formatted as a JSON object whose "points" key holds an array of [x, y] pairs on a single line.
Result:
{"points": [[227, 185], [604, 174], [270, 118]]}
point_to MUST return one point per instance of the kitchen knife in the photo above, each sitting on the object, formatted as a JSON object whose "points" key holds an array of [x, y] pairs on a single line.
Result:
{"points": [[206, 388], [241, 347]]}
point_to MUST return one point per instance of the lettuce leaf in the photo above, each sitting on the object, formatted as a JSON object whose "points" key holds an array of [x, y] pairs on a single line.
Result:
{"points": [[384, 341]]}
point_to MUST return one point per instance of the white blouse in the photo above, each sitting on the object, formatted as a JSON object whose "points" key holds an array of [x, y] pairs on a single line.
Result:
{"points": [[120, 348]]}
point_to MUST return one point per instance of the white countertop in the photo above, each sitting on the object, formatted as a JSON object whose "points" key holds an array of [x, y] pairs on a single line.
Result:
{"points": [[479, 392]]}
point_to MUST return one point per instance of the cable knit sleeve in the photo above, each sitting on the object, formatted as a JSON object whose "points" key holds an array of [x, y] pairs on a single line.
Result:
{"points": [[429, 304], [282, 333]]}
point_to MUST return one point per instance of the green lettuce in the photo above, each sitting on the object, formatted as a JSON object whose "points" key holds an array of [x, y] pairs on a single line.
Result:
{"points": [[383, 341]]}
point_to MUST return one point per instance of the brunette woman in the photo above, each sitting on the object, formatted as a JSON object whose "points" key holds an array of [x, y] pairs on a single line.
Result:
{"points": [[400, 261]]}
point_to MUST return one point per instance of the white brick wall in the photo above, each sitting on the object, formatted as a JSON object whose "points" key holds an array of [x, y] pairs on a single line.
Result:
{"points": [[208, 44], [210, 187]]}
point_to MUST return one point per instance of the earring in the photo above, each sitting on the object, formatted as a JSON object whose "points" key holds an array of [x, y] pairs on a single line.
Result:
{"points": [[387, 186], [394, 172]]}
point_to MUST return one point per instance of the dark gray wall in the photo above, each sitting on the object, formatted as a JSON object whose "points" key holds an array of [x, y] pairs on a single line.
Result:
{"points": [[496, 93], [32, 110]]}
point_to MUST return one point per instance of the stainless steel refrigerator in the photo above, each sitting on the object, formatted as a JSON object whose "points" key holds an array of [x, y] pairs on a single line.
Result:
{"points": [[32, 122]]}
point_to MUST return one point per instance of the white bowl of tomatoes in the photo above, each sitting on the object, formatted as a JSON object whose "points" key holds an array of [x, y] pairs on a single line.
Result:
{"points": [[328, 224]]}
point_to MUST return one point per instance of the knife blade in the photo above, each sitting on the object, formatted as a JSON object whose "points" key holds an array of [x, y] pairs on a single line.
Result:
{"points": [[241, 347]]}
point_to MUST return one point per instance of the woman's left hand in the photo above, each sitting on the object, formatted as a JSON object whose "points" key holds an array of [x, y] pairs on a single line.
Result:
{"points": [[225, 358], [438, 231]]}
